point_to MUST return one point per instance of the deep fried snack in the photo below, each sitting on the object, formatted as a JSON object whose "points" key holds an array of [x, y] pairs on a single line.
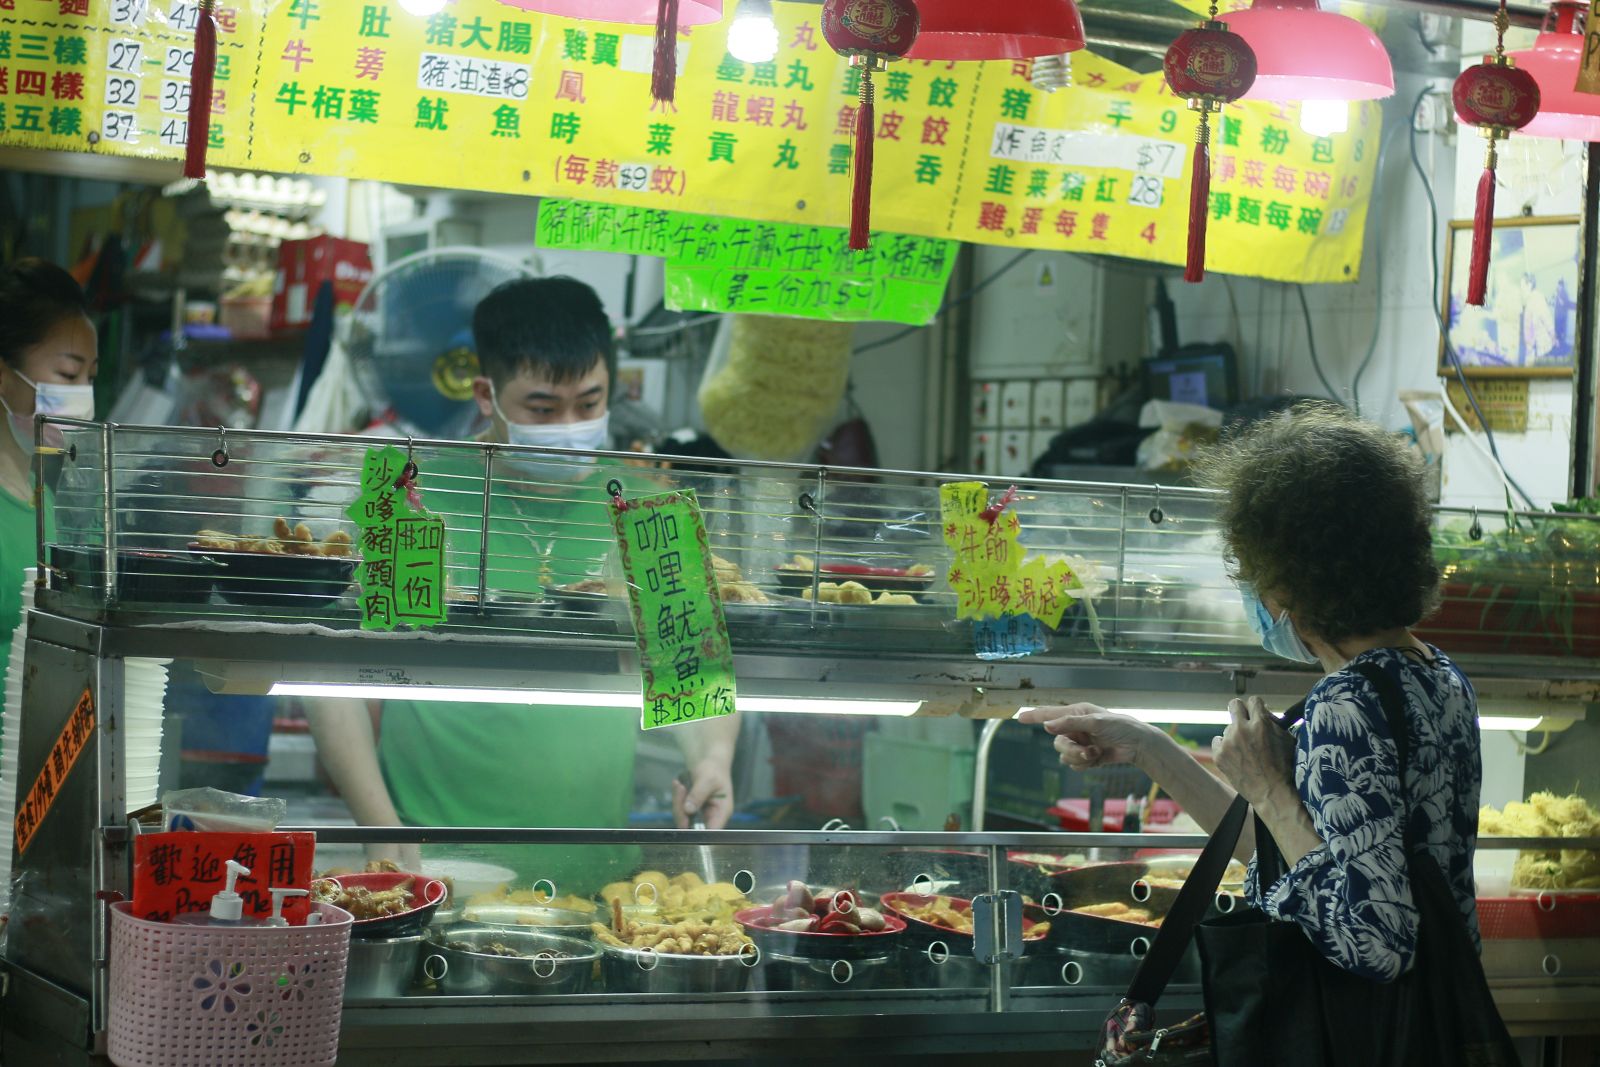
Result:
{"points": [[364, 903]]}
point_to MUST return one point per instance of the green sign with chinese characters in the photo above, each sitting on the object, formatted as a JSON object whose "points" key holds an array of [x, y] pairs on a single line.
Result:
{"points": [[402, 546], [685, 657], [763, 268]]}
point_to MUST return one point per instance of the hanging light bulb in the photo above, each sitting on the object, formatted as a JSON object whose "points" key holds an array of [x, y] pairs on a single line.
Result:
{"points": [[422, 8], [753, 37], [1052, 72], [1324, 118]]}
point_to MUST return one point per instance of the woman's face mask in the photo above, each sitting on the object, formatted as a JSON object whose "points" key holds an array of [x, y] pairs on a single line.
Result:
{"points": [[49, 398], [1278, 636]]}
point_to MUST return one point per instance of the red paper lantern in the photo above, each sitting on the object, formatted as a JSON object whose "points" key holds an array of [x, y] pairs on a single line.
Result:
{"points": [[202, 81], [871, 33], [1497, 97], [1209, 66]]}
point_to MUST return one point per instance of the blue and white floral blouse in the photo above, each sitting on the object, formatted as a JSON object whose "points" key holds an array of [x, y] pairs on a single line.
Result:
{"points": [[1352, 896]]}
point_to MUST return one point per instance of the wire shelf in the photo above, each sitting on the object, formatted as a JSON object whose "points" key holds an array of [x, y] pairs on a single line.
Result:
{"points": [[529, 549]]}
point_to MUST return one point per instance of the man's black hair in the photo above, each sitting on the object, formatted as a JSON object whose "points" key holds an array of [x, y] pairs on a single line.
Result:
{"points": [[552, 326]]}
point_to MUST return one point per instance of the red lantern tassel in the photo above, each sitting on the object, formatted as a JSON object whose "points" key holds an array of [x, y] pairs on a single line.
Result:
{"points": [[861, 203], [1482, 232], [664, 76], [1199, 202], [201, 79]]}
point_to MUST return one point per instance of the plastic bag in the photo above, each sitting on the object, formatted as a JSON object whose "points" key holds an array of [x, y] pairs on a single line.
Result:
{"points": [[213, 810]]}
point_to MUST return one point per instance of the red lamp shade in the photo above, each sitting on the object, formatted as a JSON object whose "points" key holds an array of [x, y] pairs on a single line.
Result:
{"points": [[1303, 53], [1553, 61], [633, 12], [1000, 29]]}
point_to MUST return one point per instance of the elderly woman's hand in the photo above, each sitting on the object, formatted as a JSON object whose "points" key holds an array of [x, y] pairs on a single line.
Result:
{"points": [[1255, 754], [1088, 736]]}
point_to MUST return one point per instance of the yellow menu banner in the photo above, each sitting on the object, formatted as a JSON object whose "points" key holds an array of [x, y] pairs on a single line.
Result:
{"points": [[488, 96]]}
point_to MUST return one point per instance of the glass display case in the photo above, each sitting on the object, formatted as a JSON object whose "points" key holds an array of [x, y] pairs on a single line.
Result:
{"points": [[638, 944]]}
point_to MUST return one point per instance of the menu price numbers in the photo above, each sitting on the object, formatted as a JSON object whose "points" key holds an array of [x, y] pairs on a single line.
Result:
{"points": [[129, 12], [122, 92], [174, 98], [180, 62], [184, 15], [634, 177], [666, 711], [1147, 191], [124, 56], [175, 133], [1160, 158], [120, 126]]}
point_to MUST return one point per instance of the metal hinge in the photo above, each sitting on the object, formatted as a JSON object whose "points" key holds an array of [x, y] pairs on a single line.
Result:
{"points": [[997, 927]]}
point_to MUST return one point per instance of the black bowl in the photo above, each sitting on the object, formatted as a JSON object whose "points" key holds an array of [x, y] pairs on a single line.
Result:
{"points": [[257, 579], [158, 577]]}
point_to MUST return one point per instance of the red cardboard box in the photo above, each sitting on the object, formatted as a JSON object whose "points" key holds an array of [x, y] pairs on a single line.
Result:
{"points": [[302, 268]]}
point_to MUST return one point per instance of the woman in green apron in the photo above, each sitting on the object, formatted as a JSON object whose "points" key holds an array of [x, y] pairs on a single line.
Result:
{"points": [[48, 356]]}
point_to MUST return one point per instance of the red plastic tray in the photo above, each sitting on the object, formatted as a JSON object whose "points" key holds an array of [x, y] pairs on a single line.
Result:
{"points": [[1545, 917]]}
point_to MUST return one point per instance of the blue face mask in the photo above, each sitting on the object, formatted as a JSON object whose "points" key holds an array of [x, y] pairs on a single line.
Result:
{"points": [[1277, 636]]}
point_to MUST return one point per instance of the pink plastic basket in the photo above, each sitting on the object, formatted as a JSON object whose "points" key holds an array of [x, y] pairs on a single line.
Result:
{"points": [[226, 996]]}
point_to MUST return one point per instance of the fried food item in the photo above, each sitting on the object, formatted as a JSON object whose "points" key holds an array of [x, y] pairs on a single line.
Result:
{"points": [[592, 586], [672, 900], [1117, 910], [691, 937], [942, 911], [896, 600], [286, 540], [364, 903], [741, 593], [841, 593], [532, 898], [920, 570]]}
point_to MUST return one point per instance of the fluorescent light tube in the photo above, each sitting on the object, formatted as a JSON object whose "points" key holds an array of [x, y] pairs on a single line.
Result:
{"points": [[593, 699], [1196, 717]]}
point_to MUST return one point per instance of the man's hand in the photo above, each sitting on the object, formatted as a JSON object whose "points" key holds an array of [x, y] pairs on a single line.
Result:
{"points": [[1255, 754], [708, 796]]}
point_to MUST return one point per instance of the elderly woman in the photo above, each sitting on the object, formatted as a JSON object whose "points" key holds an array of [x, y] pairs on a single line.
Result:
{"points": [[1327, 528]]}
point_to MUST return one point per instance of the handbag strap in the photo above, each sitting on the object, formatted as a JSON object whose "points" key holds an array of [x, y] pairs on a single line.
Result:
{"points": [[1199, 889]]}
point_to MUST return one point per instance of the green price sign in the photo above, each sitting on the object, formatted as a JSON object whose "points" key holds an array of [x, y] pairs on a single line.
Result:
{"points": [[402, 546], [687, 660], [764, 268]]}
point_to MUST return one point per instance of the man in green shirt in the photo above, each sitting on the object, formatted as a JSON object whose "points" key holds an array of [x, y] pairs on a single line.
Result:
{"points": [[548, 362]]}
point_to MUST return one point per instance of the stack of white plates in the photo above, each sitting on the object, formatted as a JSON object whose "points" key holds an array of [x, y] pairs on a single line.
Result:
{"points": [[10, 732], [144, 698]]}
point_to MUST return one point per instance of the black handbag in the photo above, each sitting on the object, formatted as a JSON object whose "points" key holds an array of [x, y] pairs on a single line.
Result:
{"points": [[1272, 998]]}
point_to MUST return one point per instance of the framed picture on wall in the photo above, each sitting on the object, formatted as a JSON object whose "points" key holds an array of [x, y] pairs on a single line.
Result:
{"points": [[1528, 324]]}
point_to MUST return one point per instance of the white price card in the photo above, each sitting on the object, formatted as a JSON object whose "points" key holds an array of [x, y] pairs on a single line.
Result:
{"points": [[1147, 191], [129, 12], [124, 55], [120, 126], [175, 98]]}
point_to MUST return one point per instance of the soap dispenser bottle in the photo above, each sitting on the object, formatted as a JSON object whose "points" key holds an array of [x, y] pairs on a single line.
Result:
{"points": [[279, 895], [227, 907]]}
